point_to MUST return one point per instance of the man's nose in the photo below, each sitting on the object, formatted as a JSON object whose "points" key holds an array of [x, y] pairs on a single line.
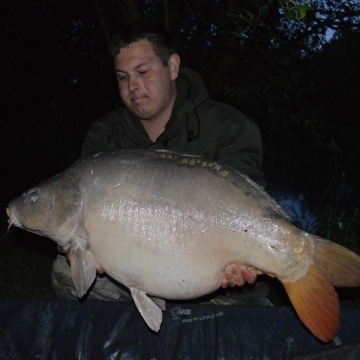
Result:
{"points": [[133, 83]]}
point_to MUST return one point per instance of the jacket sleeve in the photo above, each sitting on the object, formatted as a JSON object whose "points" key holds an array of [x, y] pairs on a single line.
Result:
{"points": [[240, 147]]}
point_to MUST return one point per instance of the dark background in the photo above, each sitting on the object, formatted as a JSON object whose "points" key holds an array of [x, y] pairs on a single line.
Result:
{"points": [[297, 77]]}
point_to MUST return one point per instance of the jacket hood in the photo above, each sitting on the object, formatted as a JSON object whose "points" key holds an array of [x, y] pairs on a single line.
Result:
{"points": [[197, 90]]}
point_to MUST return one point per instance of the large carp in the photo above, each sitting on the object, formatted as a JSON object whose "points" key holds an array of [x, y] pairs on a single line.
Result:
{"points": [[175, 227]]}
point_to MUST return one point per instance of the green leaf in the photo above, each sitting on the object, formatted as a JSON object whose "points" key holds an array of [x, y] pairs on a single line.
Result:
{"points": [[303, 9]]}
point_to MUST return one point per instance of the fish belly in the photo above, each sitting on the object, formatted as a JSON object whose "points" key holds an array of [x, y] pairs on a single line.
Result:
{"points": [[180, 267]]}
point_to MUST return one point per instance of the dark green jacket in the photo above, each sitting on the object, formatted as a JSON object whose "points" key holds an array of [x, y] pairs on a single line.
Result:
{"points": [[198, 126]]}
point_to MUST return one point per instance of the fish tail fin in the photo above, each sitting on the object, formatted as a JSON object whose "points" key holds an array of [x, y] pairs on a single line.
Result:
{"points": [[316, 303], [339, 264], [314, 297]]}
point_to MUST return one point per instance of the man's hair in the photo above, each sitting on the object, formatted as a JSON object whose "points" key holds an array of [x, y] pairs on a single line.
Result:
{"points": [[160, 39]]}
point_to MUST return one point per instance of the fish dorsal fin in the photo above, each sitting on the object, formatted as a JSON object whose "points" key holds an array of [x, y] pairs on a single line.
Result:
{"points": [[316, 302], [83, 266], [242, 181], [149, 310]]}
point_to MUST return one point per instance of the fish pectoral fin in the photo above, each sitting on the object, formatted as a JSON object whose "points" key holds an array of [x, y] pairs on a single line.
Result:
{"points": [[149, 310], [316, 303], [83, 266]]}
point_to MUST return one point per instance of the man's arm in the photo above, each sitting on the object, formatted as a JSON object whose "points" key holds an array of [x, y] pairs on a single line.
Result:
{"points": [[241, 149]]}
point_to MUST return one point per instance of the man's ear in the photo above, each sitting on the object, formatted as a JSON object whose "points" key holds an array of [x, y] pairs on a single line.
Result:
{"points": [[174, 65]]}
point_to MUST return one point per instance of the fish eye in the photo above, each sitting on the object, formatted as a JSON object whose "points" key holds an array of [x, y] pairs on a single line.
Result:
{"points": [[33, 197]]}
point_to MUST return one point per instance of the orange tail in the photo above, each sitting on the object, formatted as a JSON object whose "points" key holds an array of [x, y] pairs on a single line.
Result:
{"points": [[314, 297], [316, 302], [339, 264]]}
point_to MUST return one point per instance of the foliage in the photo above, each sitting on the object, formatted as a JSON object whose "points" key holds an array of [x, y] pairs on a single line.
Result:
{"points": [[292, 10]]}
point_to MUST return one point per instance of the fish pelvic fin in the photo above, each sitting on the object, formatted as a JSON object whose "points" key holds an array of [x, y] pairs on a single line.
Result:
{"points": [[316, 303], [159, 302], [338, 264], [83, 266], [149, 309]]}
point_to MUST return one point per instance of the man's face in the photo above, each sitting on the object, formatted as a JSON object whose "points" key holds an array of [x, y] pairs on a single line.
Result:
{"points": [[146, 86]]}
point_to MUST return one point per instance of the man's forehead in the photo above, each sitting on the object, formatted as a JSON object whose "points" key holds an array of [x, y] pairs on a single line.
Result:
{"points": [[142, 45], [135, 54]]}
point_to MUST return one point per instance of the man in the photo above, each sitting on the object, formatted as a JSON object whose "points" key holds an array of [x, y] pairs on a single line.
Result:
{"points": [[165, 107]]}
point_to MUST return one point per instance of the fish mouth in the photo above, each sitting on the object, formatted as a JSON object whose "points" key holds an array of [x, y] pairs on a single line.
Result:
{"points": [[12, 218]]}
